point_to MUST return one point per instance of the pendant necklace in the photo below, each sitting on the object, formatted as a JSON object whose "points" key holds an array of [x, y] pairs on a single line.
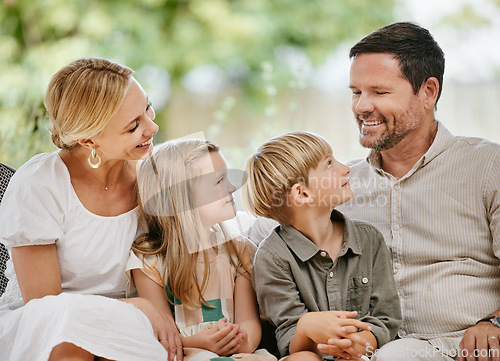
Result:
{"points": [[106, 187]]}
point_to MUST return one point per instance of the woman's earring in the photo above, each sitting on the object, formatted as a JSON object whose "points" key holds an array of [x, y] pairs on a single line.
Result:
{"points": [[93, 155]]}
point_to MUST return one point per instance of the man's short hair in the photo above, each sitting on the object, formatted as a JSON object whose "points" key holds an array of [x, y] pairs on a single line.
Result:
{"points": [[420, 56]]}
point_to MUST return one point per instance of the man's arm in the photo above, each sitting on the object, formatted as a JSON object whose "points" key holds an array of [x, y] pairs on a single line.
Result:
{"points": [[483, 337]]}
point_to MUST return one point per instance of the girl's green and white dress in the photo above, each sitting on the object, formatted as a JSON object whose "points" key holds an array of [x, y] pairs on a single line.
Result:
{"points": [[219, 293]]}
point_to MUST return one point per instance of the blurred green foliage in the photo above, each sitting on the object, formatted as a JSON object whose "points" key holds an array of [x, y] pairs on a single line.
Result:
{"points": [[37, 37]]}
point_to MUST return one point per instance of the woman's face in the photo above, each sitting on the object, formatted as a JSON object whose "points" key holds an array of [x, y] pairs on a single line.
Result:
{"points": [[129, 133]]}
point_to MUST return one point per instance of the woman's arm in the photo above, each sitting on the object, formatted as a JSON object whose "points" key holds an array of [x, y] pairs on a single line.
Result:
{"points": [[160, 314], [37, 271], [246, 313]]}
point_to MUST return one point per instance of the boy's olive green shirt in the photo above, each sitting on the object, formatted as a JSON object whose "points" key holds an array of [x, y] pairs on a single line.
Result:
{"points": [[292, 276]]}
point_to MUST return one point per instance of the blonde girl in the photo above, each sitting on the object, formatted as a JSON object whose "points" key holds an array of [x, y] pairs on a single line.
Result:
{"points": [[186, 260]]}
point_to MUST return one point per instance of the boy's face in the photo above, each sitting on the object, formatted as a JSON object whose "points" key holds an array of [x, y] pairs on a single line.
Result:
{"points": [[329, 183]]}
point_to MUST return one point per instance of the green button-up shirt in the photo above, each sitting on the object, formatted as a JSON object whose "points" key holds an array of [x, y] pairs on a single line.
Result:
{"points": [[292, 276]]}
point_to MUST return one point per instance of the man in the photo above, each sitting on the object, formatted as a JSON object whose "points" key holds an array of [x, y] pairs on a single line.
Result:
{"points": [[434, 196]]}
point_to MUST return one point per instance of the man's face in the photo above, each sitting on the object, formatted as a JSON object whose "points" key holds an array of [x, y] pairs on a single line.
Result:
{"points": [[383, 102]]}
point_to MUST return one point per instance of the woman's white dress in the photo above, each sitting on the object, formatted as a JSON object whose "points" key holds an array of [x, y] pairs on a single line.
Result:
{"points": [[40, 207]]}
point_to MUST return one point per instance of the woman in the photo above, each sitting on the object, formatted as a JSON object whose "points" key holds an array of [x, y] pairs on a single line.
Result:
{"points": [[69, 218]]}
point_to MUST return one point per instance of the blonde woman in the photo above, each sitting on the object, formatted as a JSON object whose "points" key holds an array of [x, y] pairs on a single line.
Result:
{"points": [[69, 219], [187, 261]]}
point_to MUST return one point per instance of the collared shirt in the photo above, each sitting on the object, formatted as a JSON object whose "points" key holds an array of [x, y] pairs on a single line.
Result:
{"points": [[292, 276], [441, 224]]}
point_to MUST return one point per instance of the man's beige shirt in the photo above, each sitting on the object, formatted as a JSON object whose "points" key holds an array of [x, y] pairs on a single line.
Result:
{"points": [[441, 225]]}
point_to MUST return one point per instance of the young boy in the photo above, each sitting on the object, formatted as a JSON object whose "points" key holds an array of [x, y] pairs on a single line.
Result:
{"points": [[323, 280]]}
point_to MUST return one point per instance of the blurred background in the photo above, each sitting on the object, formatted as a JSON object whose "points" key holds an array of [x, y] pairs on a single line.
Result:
{"points": [[239, 71]]}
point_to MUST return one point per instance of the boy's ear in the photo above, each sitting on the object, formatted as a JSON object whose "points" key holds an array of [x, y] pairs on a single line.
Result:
{"points": [[299, 194]]}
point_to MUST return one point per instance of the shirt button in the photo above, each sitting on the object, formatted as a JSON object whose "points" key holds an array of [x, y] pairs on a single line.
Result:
{"points": [[331, 274], [323, 254], [397, 187], [364, 280], [396, 227]]}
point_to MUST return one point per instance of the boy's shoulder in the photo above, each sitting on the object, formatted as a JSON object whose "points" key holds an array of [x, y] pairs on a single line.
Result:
{"points": [[362, 232], [274, 244], [362, 226]]}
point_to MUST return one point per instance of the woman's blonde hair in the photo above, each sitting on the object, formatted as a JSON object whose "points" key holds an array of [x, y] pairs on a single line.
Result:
{"points": [[174, 229], [278, 164], [82, 97]]}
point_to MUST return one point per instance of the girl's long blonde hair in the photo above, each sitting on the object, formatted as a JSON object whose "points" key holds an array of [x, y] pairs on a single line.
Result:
{"points": [[174, 229]]}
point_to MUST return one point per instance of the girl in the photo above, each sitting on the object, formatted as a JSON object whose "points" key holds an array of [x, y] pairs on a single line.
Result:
{"points": [[187, 260]]}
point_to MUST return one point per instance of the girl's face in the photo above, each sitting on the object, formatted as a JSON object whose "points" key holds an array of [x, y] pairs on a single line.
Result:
{"points": [[129, 134], [213, 193]]}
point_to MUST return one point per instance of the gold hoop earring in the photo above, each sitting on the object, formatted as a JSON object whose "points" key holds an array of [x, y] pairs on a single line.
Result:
{"points": [[93, 155]]}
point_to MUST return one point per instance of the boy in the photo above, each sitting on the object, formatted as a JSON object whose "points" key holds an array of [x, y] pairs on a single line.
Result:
{"points": [[317, 270]]}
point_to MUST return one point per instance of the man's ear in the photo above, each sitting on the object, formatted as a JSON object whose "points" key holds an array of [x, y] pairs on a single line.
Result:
{"points": [[87, 143], [300, 194], [430, 91]]}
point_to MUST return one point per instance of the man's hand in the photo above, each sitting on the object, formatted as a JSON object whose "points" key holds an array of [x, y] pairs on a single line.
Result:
{"points": [[481, 340]]}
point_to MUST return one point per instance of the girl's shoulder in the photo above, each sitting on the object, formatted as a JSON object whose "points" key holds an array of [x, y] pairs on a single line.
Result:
{"points": [[241, 243]]}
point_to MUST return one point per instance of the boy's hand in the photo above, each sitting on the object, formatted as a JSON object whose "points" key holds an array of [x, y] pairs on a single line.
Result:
{"points": [[336, 335], [355, 344]]}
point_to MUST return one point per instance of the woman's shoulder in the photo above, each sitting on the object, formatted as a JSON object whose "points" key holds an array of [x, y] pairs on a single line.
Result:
{"points": [[41, 168], [42, 178]]}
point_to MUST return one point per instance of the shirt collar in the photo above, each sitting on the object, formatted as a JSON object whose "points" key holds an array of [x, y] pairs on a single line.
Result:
{"points": [[305, 249], [441, 142]]}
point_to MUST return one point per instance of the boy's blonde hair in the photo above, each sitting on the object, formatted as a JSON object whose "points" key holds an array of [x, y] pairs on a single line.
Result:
{"points": [[83, 96], [278, 164], [174, 229]]}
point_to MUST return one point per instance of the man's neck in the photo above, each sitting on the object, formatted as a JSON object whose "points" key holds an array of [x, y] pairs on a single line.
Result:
{"points": [[399, 160]]}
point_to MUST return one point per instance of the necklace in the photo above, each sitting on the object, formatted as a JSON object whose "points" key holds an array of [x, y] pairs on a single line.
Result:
{"points": [[106, 187]]}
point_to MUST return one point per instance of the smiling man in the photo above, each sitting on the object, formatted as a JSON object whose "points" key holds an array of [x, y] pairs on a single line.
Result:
{"points": [[434, 196]]}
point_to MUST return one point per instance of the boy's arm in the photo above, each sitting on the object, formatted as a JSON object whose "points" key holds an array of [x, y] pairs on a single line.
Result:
{"points": [[277, 295], [280, 300], [247, 313], [385, 315]]}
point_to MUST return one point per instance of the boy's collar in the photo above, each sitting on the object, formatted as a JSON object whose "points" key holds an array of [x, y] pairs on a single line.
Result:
{"points": [[305, 249]]}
